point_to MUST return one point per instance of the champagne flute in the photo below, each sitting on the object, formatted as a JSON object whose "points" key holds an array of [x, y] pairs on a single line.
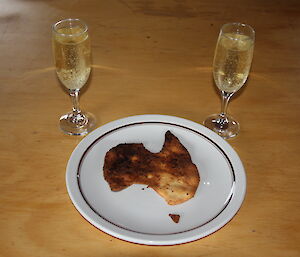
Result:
{"points": [[71, 47], [231, 66]]}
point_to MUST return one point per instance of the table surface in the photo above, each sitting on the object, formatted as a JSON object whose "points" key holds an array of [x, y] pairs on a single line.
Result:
{"points": [[149, 57]]}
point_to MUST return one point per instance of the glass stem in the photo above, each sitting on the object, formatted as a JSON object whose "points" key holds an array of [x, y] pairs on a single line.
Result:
{"points": [[225, 100], [222, 122], [74, 94]]}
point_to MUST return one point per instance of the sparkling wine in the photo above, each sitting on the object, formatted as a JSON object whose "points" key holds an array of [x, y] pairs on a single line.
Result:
{"points": [[232, 61], [72, 57]]}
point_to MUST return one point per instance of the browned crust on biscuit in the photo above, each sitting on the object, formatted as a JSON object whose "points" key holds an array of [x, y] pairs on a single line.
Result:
{"points": [[171, 172]]}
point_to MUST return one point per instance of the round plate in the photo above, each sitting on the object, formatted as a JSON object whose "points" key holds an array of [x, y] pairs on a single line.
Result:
{"points": [[138, 214]]}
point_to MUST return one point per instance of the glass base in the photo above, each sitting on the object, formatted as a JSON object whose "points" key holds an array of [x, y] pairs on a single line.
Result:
{"points": [[224, 126], [77, 124]]}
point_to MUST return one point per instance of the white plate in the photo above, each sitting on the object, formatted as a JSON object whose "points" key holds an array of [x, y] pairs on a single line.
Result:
{"points": [[138, 214]]}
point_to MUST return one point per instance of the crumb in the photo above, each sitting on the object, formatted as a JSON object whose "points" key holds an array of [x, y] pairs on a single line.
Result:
{"points": [[175, 217]]}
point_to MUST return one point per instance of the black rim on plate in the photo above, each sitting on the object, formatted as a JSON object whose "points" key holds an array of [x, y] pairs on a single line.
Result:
{"points": [[164, 123]]}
